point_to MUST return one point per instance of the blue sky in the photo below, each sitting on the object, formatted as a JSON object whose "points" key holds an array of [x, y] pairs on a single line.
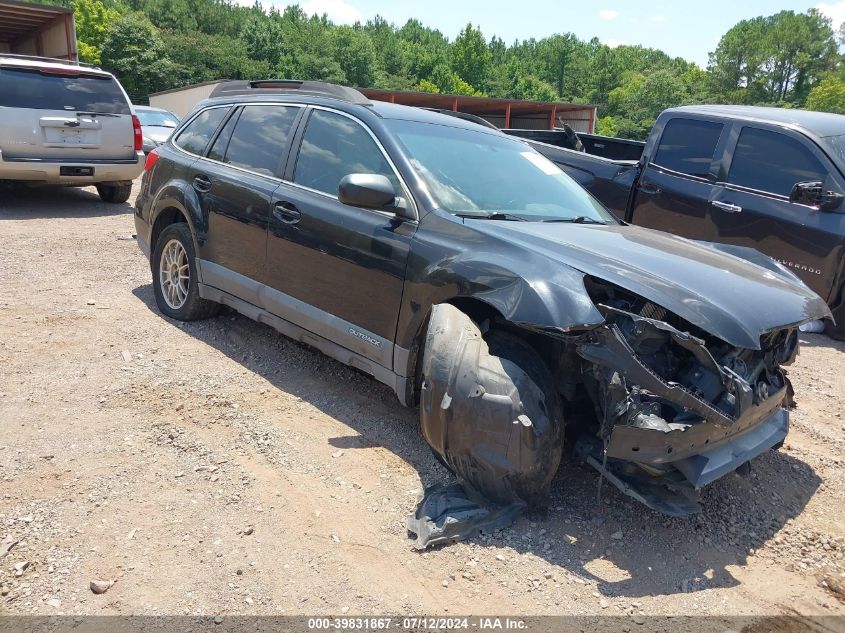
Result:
{"points": [[681, 29]]}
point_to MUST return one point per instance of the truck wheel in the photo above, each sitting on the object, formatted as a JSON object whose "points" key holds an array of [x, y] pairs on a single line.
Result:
{"points": [[174, 271], [489, 409], [837, 331], [115, 193]]}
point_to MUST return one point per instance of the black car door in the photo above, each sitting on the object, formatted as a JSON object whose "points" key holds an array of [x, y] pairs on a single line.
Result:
{"points": [[236, 182], [333, 269], [674, 191], [753, 206]]}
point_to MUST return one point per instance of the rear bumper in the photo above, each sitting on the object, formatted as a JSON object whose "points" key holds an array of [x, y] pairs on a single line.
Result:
{"points": [[50, 171]]}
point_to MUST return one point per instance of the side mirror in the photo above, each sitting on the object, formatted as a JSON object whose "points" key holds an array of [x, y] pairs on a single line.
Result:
{"points": [[813, 194], [371, 191]]}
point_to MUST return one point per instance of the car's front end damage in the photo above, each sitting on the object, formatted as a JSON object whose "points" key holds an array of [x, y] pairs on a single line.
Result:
{"points": [[665, 358], [676, 407]]}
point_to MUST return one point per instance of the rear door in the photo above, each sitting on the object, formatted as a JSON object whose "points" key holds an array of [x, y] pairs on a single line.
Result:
{"points": [[674, 191], [235, 183], [63, 113], [753, 207]]}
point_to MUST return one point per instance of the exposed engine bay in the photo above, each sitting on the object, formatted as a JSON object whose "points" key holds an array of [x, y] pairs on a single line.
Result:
{"points": [[671, 407], [670, 398]]}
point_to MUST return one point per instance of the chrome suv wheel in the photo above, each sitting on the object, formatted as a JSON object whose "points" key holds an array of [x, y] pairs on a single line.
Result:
{"points": [[174, 274]]}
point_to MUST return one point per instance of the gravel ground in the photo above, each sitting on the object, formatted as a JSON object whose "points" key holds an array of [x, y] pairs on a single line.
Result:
{"points": [[150, 466]]}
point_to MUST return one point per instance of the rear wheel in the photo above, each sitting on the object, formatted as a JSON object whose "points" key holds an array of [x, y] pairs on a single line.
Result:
{"points": [[115, 193], [175, 276]]}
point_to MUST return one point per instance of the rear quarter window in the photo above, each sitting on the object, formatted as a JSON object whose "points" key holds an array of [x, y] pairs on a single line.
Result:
{"points": [[35, 90], [195, 136], [688, 145]]}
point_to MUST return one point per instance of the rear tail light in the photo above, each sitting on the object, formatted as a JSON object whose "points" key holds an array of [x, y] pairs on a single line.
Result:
{"points": [[136, 129], [152, 159]]}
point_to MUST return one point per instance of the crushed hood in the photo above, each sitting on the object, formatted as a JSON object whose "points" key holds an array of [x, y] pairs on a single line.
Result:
{"points": [[725, 295]]}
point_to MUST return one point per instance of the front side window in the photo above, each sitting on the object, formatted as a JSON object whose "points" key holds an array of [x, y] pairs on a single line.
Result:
{"points": [[773, 162], [688, 145], [260, 138], [335, 146], [199, 131]]}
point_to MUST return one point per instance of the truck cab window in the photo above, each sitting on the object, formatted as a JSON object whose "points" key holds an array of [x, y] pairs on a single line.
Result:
{"points": [[772, 162], [687, 146]]}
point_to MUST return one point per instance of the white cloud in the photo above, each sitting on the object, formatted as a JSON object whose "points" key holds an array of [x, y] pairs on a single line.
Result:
{"points": [[835, 11], [614, 43], [657, 19], [337, 10], [608, 14]]}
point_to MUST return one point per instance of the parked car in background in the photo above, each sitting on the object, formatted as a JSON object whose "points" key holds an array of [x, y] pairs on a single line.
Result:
{"points": [[67, 123], [156, 126], [471, 275], [769, 178]]}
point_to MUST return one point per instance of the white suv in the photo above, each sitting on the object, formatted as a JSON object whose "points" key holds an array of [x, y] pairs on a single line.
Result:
{"points": [[67, 123]]}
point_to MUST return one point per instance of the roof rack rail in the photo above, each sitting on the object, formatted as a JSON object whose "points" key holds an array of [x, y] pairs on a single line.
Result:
{"points": [[284, 86], [52, 60]]}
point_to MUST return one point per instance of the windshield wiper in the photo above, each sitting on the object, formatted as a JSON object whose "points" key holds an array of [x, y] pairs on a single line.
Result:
{"points": [[580, 219], [493, 215]]}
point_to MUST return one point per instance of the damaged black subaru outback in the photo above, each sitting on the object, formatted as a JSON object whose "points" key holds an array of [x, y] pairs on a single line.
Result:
{"points": [[471, 275]]}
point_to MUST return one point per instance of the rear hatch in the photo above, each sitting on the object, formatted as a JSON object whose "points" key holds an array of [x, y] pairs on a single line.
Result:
{"points": [[56, 112]]}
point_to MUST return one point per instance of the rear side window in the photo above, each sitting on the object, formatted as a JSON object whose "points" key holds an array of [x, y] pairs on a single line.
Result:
{"points": [[260, 138], [688, 145], [773, 162], [199, 131], [334, 146], [35, 90]]}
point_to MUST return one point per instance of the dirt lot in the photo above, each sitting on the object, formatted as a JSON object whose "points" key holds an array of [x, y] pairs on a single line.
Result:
{"points": [[217, 467]]}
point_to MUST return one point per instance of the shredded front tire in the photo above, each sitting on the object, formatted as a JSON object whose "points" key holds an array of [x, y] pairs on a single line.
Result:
{"points": [[489, 409]]}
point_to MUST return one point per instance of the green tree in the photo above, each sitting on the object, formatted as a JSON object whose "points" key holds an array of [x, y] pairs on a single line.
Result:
{"points": [[134, 51], [828, 96], [356, 56], [470, 56], [93, 20]]}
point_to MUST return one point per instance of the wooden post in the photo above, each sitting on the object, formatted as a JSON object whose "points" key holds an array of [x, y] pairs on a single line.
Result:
{"points": [[552, 117], [70, 35], [508, 115], [455, 104]]}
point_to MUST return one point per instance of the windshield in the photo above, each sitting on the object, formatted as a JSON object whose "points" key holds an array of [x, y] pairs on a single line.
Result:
{"points": [[47, 91], [157, 119], [473, 173], [837, 145]]}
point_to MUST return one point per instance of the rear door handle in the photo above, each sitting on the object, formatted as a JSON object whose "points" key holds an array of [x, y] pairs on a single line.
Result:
{"points": [[202, 184], [651, 189], [726, 206], [286, 212]]}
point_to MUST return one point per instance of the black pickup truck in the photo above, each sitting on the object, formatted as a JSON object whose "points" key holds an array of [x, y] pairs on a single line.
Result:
{"points": [[772, 179]]}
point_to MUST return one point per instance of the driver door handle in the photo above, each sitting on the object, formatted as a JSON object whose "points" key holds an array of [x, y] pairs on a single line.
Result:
{"points": [[286, 212], [726, 206]]}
